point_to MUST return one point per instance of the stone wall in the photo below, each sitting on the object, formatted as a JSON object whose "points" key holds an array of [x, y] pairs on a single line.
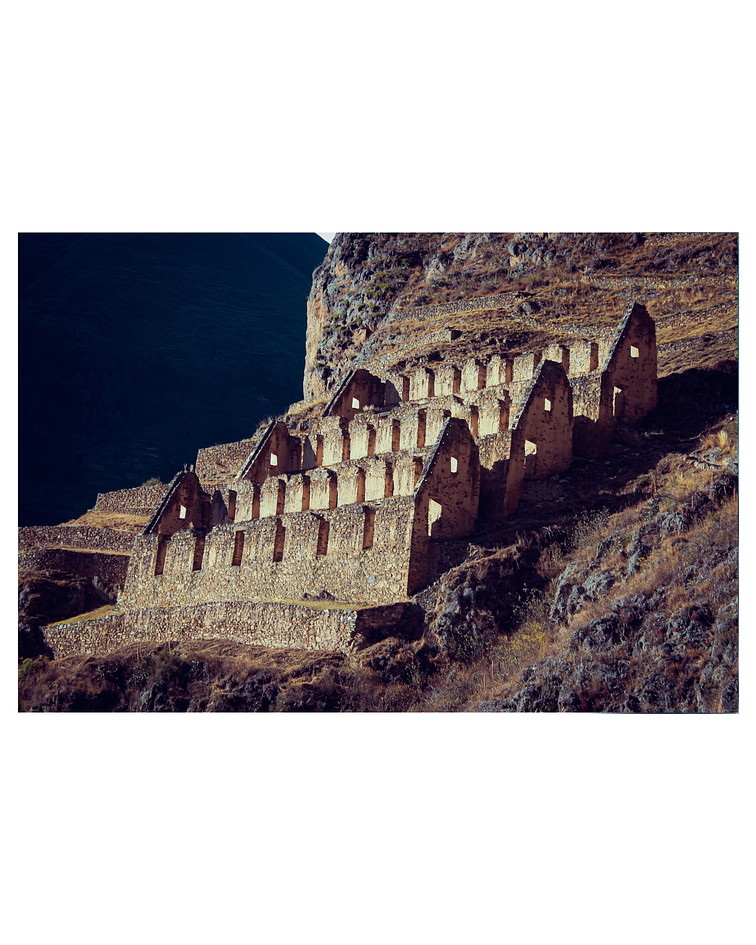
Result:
{"points": [[74, 536], [138, 501], [185, 504], [260, 624], [110, 567], [544, 417], [221, 463], [355, 553]]}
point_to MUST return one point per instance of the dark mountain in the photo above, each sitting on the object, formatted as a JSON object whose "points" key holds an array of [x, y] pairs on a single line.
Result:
{"points": [[137, 349]]}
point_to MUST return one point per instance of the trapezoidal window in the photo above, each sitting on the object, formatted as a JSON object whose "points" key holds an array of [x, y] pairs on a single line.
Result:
{"points": [[231, 506], [453, 464], [420, 429], [434, 514], [396, 435], [278, 542], [369, 530], [273, 459], [182, 511], [547, 405], [281, 497], [618, 403], [531, 458], [388, 489], [323, 529], [634, 352], [355, 403], [238, 549], [160, 557]]}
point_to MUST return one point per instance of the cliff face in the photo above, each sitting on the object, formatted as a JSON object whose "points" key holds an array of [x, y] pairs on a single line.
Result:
{"points": [[366, 279]]}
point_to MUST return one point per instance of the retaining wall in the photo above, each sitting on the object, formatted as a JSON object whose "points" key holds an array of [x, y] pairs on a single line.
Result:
{"points": [[110, 567], [75, 536], [138, 501], [261, 623]]}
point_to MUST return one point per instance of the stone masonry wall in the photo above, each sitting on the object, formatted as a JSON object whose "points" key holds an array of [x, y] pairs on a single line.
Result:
{"points": [[355, 553], [110, 567], [75, 536], [221, 463], [138, 501], [258, 624]]}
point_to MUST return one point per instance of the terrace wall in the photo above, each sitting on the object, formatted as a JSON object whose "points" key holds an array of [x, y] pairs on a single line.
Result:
{"points": [[257, 623]]}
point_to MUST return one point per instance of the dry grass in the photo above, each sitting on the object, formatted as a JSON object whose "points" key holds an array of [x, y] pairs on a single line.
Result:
{"points": [[693, 566], [104, 611], [119, 521]]}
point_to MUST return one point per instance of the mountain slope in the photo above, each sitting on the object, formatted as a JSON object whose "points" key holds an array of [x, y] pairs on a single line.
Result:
{"points": [[612, 588], [137, 349], [572, 283]]}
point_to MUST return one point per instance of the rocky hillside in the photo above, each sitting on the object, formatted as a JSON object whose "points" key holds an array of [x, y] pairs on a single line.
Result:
{"points": [[135, 350], [613, 588], [537, 283]]}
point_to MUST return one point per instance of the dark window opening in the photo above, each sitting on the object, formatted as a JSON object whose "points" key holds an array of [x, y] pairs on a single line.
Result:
{"points": [[281, 497], [238, 549], [236, 560], [323, 529], [160, 557], [369, 530], [278, 544], [420, 429]]}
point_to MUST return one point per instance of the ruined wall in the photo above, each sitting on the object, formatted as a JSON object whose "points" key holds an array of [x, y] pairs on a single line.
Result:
{"points": [[184, 505], [632, 366], [75, 536], [494, 451], [545, 420], [446, 498], [355, 553], [628, 375], [358, 390], [220, 464], [256, 623], [277, 451], [138, 501], [110, 567]]}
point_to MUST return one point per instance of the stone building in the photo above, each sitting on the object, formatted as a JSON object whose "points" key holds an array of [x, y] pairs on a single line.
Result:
{"points": [[355, 507]]}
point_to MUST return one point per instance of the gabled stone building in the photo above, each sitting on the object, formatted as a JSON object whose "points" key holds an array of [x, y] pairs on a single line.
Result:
{"points": [[356, 506]]}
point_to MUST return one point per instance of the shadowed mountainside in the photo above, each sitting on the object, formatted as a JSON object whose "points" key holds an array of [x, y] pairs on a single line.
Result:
{"points": [[137, 349]]}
